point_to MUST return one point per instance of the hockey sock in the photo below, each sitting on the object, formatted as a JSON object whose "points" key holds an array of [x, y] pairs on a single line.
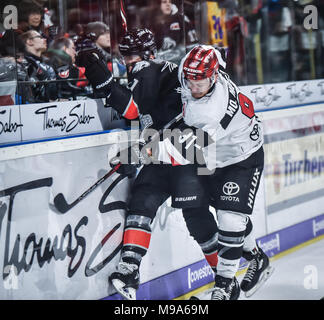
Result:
{"points": [[210, 250], [232, 226], [250, 248], [230, 248], [203, 228], [137, 236]]}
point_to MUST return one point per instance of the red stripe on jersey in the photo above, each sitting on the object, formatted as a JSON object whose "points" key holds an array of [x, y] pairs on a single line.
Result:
{"points": [[212, 259], [131, 111], [137, 237], [109, 65], [174, 162]]}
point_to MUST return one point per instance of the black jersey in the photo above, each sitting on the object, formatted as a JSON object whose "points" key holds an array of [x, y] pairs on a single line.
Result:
{"points": [[153, 89]]}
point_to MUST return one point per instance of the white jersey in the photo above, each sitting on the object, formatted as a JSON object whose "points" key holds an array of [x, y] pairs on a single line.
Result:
{"points": [[227, 115]]}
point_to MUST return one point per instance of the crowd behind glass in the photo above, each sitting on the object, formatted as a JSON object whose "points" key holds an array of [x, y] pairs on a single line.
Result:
{"points": [[266, 41]]}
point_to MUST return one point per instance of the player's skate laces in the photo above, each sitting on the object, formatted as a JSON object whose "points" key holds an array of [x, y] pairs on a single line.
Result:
{"points": [[258, 271], [225, 289], [219, 294], [126, 280]]}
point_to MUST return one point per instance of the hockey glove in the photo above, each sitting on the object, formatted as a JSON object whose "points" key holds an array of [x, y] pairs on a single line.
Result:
{"points": [[131, 159], [128, 170], [97, 71]]}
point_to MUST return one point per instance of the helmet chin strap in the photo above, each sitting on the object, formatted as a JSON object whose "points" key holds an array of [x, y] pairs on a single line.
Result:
{"points": [[212, 79]]}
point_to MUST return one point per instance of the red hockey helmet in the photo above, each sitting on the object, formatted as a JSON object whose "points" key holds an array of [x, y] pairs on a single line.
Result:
{"points": [[201, 63]]}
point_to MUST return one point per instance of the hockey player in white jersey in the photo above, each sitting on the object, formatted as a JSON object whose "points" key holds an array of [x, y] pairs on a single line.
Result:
{"points": [[213, 103]]}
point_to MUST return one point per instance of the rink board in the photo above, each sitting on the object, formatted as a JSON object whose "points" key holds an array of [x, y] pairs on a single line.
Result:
{"points": [[294, 165], [285, 94], [19, 123], [182, 281], [89, 236], [49, 255]]}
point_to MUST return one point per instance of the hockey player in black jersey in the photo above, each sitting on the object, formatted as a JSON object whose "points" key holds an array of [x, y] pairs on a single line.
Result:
{"points": [[152, 93]]}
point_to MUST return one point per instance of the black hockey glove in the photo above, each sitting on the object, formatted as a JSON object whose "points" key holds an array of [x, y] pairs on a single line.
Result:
{"points": [[131, 159], [128, 170], [83, 47], [96, 69]]}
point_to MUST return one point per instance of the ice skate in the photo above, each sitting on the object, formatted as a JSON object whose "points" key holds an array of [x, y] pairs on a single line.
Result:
{"points": [[126, 280], [258, 272], [225, 289]]}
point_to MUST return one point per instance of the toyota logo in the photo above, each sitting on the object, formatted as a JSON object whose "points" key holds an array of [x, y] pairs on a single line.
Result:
{"points": [[231, 188]]}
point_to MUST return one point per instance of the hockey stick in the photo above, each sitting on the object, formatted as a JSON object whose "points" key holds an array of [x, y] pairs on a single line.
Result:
{"points": [[123, 16], [61, 203]]}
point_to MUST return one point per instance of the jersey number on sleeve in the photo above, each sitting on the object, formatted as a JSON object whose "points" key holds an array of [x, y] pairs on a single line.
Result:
{"points": [[246, 105]]}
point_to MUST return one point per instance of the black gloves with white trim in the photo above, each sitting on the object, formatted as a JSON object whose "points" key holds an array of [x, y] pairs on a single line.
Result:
{"points": [[126, 169], [96, 69], [131, 158]]}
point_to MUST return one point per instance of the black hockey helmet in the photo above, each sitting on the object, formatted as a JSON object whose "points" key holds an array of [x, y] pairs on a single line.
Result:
{"points": [[138, 42]]}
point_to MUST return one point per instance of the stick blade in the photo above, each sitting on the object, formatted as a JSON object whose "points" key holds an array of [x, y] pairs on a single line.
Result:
{"points": [[60, 203]]}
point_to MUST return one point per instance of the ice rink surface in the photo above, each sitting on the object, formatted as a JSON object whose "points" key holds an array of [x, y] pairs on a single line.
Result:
{"points": [[299, 275]]}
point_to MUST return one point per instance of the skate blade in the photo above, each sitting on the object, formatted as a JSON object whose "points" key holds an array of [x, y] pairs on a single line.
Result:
{"points": [[205, 295], [128, 293], [266, 274]]}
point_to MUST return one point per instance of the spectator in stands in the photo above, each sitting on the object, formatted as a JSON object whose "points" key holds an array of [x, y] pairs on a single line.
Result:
{"points": [[234, 34], [13, 66], [76, 17], [7, 81], [280, 23], [306, 43], [99, 33], [61, 56], [167, 27], [38, 70], [34, 17]]}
